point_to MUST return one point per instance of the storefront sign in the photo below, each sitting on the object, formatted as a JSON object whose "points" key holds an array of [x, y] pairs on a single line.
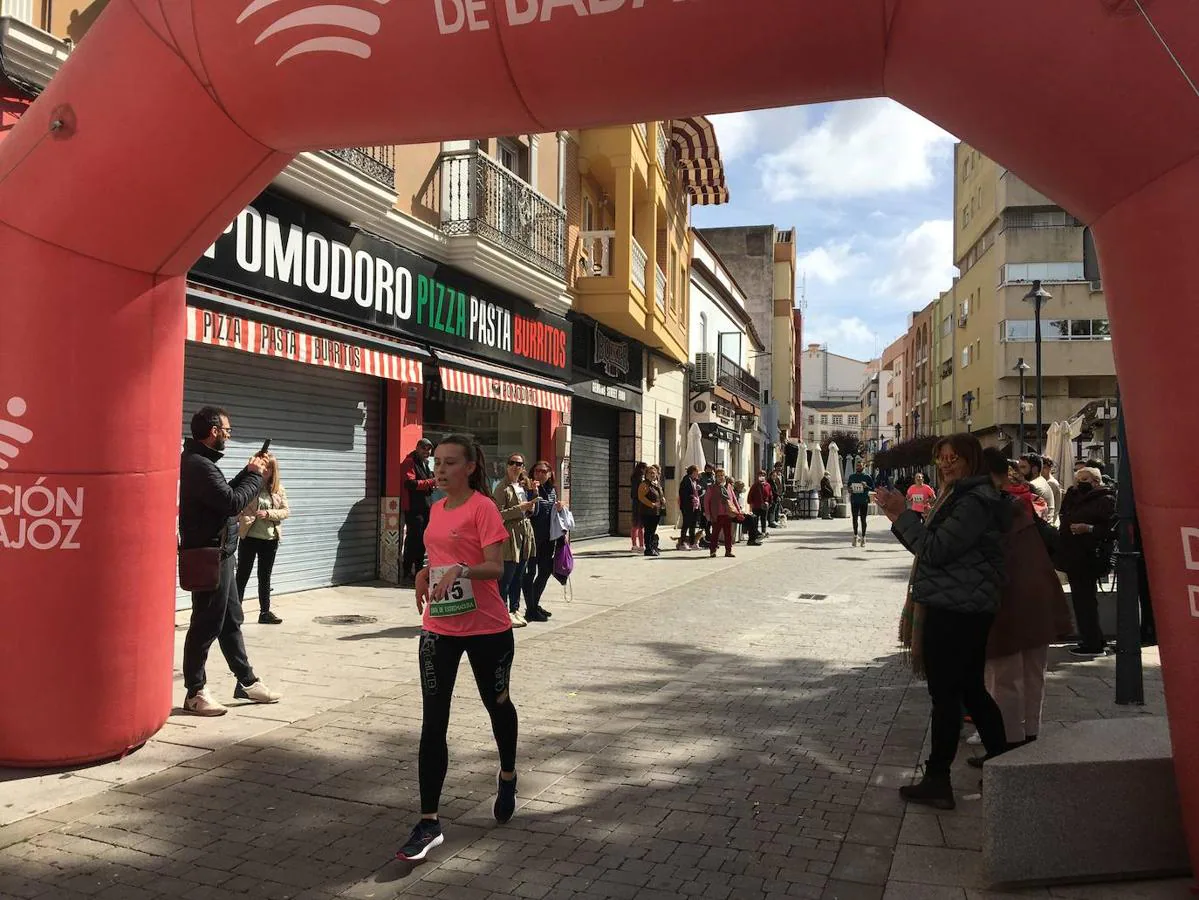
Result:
{"points": [[286, 251], [604, 353], [224, 330], [609, 391]]}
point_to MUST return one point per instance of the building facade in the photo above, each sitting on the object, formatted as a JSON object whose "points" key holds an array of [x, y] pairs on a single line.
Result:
{"points": [[762, 259], [726, 351], [832, 393], [1006, 235]]}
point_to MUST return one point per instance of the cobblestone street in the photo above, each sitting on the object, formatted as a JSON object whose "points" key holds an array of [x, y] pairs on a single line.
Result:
{"points": [[689, 727]]}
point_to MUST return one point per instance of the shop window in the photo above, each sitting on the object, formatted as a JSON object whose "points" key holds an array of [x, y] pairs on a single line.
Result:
{"points": [[501, 428]]}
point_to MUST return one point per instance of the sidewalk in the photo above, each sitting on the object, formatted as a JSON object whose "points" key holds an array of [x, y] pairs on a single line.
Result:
{"points": [[689, 727]]}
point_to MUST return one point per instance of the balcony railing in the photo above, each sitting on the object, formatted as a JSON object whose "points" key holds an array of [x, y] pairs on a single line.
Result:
{"points": [[661, 138], [660, 288], [378, 163], [644, 129], [484, 198], [640, 261], [595, 253], [736, 379], [19, 9]]}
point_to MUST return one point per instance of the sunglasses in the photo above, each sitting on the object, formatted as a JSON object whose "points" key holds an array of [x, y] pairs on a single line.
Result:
{"points": [[516, 462]]}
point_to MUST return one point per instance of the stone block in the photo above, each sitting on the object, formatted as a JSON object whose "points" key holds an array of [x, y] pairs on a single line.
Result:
{"points": [[1090, 802]]}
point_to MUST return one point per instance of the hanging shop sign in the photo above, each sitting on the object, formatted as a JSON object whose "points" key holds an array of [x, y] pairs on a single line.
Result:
{"points": [[295, 255], [606, 354]]}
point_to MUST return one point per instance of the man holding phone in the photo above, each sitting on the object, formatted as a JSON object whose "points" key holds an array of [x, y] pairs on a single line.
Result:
{"points": [[208, 508]]}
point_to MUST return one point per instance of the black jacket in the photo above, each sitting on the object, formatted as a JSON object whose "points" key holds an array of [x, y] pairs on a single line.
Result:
{"points": [[959, 551], [207, 502], [690, 491], [1085, 553]]}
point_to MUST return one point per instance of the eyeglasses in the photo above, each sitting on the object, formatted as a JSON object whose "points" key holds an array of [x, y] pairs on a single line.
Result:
{"points": [[516, 462], [947, 460]]}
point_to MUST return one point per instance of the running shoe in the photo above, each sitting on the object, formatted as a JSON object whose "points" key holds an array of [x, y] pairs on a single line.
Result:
{"points": [[505, 799], [425, 836]]}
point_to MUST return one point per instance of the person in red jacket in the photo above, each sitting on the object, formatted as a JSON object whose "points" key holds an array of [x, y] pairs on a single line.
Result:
{"points": [[416, 484], [761, 498]]}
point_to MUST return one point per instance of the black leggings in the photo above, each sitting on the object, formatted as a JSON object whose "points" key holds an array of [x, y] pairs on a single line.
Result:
{"points": [[649, 521], [690, 523], [859, 512], [538, 572], [249, 549], [490, 658], [955, 655]]}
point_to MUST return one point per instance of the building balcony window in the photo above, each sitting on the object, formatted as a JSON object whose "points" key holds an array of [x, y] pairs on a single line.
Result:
{"points": [[736, 379], [485, 199], [595, 253], [377, 163], [1018, 330], [661, 146]]}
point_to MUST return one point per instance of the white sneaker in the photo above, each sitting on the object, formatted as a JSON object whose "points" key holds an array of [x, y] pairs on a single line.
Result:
{"points": [[517, 620], [202, 704], [256, 693], [863, 542]]}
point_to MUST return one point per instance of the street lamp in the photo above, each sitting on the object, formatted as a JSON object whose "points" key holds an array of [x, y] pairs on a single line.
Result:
{"points": [[915, 423], [968, 399], [1037, 296], [1021, 367], [898, 431]]}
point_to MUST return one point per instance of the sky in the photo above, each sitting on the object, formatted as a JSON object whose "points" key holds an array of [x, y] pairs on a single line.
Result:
{"points": [[868, 186]]}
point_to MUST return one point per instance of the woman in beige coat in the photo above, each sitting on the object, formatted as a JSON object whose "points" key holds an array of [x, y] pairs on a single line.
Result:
{"points": [[516, 501], [260, 527]]}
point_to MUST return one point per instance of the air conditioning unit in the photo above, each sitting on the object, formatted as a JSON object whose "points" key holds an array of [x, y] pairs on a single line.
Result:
{"points": [[962, 321], [705, 369], [706, 411]]}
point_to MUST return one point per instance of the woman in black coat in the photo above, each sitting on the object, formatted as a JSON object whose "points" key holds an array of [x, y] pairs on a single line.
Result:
{"points": [[1087, 522], [957, 577]]}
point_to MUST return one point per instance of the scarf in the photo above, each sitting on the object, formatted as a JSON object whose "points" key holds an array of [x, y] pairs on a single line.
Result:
{"points": [[911, 620]]}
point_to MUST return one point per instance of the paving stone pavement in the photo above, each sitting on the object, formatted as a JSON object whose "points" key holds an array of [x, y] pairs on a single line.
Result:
{"points": [[689, 727]]}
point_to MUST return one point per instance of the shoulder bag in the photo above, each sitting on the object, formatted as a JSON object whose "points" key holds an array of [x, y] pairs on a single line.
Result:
{"points": [[200, 567]]}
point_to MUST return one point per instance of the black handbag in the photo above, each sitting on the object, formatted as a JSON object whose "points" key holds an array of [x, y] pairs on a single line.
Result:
{"points": [[200, 567]]}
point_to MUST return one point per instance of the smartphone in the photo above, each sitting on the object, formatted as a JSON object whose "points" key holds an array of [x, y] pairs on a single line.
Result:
{"points": [[266, 445]]}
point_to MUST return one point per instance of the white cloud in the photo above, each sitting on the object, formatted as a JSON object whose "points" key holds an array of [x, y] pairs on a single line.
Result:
{"points": [[848, 336], [737, 134], [860, 148], [831, 262], [920, 264]]}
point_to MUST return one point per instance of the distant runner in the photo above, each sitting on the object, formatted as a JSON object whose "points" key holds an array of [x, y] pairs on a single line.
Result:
{"points": [[920, 496], [860, 485]]}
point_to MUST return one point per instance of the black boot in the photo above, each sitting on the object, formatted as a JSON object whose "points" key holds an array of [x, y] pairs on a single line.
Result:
{"points": [[933, 790]]}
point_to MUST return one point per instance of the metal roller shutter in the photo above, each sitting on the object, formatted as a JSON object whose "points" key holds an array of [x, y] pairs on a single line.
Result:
{"points": [[324, 428], [593, 470]]}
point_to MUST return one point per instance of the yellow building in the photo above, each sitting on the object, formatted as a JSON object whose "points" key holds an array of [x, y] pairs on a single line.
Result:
{"points": [[1006, 235], [638, 183]]}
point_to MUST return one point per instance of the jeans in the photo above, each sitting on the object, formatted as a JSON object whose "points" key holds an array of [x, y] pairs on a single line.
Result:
{"points": [[511, 582], [414, 541], [955, 658], [859, 512], [690, 525], [538, 572], [649, 524], [1085, 599], [264, 551], [490, 658], [723, 525], [216, 616]]}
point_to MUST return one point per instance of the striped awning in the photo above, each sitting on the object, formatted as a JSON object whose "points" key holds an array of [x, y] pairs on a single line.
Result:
{"points": [[700, 165], [491, 387], [226, 329]]}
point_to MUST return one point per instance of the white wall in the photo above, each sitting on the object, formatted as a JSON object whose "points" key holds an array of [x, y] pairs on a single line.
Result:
{"points": [[706, 304], [665, 398], [845, 375]]}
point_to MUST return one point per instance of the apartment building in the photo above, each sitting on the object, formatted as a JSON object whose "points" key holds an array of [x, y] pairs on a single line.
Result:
{"points": [[891, 391], [1006, 236], [762, 258], [832, 392]]}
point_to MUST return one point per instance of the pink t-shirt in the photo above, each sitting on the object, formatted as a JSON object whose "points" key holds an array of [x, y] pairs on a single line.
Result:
{"points": [[920, 496], [459, 536]]}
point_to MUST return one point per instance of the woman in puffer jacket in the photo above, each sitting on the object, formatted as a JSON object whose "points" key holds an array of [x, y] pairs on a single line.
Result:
{"points": [[957, 577], [1087, 528]]}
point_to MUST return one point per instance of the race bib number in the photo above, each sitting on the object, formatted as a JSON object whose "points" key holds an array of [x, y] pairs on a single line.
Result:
{"points": [[459, 599], [857, 487]]}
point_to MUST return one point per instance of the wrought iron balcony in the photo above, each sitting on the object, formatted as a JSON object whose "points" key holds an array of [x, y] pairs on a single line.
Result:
{"points": [[481, 197], [736, 379], [378, 163]]}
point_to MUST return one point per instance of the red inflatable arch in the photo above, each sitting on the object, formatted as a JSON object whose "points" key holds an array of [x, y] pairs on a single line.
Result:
{"points": [[173, 114]]}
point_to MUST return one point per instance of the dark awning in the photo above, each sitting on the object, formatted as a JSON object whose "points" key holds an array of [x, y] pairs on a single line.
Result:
{"points": [[700, 165]]}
